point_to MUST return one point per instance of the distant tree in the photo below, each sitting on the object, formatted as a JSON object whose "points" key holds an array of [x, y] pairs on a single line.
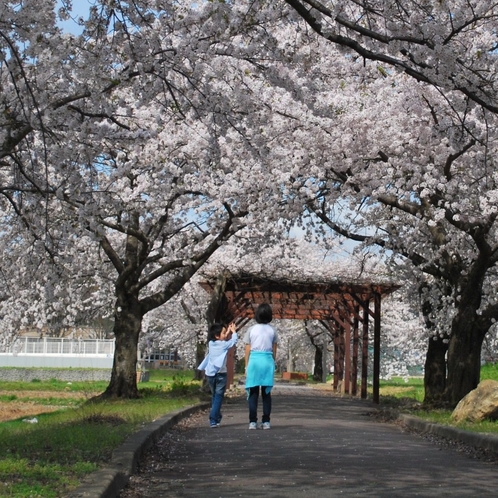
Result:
{"points": [[319, 339]]}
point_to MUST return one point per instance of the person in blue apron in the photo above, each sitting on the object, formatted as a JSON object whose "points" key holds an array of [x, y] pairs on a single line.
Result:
{"points": [[260, 353]]}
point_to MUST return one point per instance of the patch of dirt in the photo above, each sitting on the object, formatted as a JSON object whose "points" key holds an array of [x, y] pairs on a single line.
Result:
{"points": [[45, 394], [12, 410], [323, 387]]}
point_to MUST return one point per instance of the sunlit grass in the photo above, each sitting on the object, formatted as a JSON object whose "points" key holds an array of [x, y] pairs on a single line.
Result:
{"points": [[54, 385], [399, 387], [393, 391], [489, 371]]}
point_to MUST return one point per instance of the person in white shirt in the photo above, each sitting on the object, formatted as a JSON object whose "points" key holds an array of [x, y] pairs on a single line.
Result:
{"points": [[260, 353]]}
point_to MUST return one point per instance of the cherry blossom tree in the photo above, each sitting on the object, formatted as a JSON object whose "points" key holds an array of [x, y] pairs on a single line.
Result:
{"points": [[421, 173], [126, 170], [404, 336], [445, 50], [130, 164], [320, 340]]}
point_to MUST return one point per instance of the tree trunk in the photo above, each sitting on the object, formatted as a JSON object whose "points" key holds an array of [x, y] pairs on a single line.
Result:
{"points": [[467, 335], [127, 326], [435, 371], [464, 356], [318, 369]]}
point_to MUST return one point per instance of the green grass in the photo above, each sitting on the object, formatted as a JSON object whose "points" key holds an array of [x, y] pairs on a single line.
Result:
{"points": [[444, 417], [489, 371], [50, 401], [398, 387], [49, 458], [396, 390]]}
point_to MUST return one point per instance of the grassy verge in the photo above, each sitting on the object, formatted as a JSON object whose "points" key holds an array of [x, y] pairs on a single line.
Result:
{"points": [[403, 395], [50, 457]]}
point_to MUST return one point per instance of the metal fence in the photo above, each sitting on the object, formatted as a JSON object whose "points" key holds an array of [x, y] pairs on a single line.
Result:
{"points": [[61, 346], [54, 352], [72, 353]]}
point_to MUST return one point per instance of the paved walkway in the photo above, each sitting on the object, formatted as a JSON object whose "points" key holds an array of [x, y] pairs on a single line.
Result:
{"points": [[318, 446]]}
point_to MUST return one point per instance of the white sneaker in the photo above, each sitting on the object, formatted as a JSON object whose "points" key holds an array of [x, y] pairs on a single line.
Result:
{"points": [[266, 425], [253, 425]]}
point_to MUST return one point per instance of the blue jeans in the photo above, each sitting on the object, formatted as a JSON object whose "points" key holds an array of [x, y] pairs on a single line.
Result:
{"points": [[253, 404], [217, 385]]}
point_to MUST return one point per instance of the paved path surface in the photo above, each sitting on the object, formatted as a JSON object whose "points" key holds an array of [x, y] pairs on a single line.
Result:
{"points": [[319, 446]]}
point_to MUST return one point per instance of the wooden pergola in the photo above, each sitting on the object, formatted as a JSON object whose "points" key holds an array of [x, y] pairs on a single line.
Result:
{"points": [[343, 309]]}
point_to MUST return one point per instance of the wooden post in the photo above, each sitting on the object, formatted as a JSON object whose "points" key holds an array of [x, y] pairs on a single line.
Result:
{"points": [[376, 365], [347, 357], [364, 352], [230, 366], [324, 357], [354, 377], [339, 358]]}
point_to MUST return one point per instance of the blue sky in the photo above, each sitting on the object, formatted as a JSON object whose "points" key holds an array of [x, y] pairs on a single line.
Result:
{"points": [[80, 9]]}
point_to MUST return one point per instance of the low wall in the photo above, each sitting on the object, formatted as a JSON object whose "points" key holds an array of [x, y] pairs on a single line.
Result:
{"points": [[80, 361], [62, 374]]}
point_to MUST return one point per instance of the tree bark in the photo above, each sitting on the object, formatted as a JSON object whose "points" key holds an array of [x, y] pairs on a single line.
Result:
{"points": [[464, 356], [467, 335], [435, 371], [127, 326]]}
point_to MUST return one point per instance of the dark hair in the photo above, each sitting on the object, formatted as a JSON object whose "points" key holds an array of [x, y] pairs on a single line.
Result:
{"points": [[263, 313], [214, 331]]}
